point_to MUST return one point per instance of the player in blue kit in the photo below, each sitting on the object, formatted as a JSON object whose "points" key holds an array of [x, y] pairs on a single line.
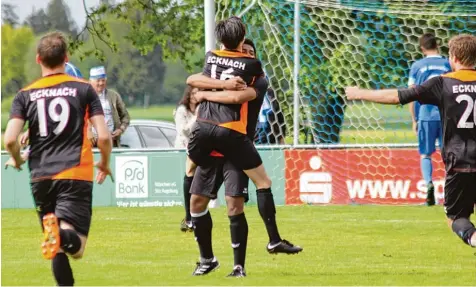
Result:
{"points": [[426, 118]]}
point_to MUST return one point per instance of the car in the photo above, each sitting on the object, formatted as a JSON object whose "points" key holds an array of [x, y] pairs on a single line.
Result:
{"points": [[149, 134]]}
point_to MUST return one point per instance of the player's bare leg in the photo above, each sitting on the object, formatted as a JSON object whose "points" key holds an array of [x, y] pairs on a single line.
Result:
{"points": [[238, 232], [186, 224], [267, 210], [202, 228], [61, 238]]}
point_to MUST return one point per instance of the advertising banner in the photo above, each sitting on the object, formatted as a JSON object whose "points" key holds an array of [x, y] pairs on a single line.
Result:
{"points": [[359, 176]]}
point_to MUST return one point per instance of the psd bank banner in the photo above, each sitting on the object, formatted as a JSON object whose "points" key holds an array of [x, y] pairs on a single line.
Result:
{"points": [[359, 176]]}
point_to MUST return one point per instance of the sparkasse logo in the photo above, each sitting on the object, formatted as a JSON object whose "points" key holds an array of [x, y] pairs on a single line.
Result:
{"points": [[132, 177]]}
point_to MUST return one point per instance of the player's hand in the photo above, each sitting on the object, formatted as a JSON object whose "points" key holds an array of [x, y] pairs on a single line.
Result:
{"points": [[16, 164], [235, 83], [199, 96], [104, 171], [352, 93], [116, 133], [24, 138], [415, 127]]}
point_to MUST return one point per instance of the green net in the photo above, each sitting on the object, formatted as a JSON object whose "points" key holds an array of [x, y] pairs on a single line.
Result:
{"points": [[371, 44]]}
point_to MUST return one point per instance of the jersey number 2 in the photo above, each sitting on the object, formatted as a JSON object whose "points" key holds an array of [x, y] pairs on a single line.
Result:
{"points": [[463, 122], [51, 111]]}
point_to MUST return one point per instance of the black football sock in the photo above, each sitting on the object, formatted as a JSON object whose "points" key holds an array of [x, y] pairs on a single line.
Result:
{"points": [[203, 233], [267, 211], [464, 229], [70, 241], [187, 183], [62, 270], [239, 237]]}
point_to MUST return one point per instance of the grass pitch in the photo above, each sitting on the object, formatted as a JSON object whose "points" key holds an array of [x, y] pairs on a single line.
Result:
{"points": [[343, 245]]}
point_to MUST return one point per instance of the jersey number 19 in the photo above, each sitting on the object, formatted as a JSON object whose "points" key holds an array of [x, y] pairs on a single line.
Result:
{"points": [[60, 118]]}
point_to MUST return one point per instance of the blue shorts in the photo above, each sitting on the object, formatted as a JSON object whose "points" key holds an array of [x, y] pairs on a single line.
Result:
{"points": [[428, 132]]}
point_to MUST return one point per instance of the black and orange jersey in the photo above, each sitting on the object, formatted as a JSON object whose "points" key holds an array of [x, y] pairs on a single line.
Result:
{"points": [[455, 95], [57, 109], [224, 65]]}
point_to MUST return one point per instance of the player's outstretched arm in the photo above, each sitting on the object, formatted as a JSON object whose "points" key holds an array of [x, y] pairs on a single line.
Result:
{"points": [[227, 97], [203, 82], [389, 97], [14, 128]]}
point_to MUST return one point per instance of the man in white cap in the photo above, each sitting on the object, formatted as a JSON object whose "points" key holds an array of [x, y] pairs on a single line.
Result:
{"points": [[115, 112]]}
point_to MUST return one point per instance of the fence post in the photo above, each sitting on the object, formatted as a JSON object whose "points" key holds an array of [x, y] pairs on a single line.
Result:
{"points": [[209, 7], [297, 47]]}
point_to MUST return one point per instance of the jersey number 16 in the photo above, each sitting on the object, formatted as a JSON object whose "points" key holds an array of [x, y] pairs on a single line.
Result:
{"points": [[61, 118], [225, 75]]}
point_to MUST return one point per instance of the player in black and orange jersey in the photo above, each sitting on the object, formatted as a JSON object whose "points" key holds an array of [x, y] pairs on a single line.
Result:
{"points": [[209, 178], [57, 108], [455, 95]]}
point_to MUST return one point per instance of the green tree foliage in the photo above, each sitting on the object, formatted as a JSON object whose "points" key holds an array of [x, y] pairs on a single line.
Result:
{"points": [[176, 26], [38, 21], [60, 18], [9, 16], [15, 46]]}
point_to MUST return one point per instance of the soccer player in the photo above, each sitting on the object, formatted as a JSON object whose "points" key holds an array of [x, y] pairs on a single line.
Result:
{"points": [[426, 118], [236, 182], [455, 95], [71, 70], [57, 108]]}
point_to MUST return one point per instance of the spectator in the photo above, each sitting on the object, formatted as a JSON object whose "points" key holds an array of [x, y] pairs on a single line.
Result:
{"points": [[271, 128], [185, 116], [115, 112]]}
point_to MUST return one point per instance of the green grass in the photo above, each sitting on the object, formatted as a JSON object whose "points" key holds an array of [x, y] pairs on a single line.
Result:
{"points": [[343, 245], [163, 113]]}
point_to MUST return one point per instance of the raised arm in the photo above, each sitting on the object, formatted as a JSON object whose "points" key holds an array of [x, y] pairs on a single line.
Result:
{"points": [[427, 93], [234, 97], [203, 82], [389, 97]]}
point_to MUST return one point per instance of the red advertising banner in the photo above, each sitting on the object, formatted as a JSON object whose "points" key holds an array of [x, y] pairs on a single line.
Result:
{"points": [[361, 176]]}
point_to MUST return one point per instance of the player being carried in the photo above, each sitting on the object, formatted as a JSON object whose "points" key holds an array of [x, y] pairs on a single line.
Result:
{"points": [[57, 108], [426, 118], [455, 95], [209, 178]]}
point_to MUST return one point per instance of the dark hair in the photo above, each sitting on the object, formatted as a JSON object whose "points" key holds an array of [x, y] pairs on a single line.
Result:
{"points": [[428, 42], [186, 97], [52, 50], [230, 32], [250, 42]]}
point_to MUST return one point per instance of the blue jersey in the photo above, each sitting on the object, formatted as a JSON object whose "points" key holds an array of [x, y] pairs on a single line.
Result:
{"points": [[421, 71], [71, 70]]}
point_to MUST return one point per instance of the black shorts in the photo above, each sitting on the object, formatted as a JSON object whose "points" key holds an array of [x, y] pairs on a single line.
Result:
{"points": [[460, 195], [235, 146], [70, 200], [208, 179]]}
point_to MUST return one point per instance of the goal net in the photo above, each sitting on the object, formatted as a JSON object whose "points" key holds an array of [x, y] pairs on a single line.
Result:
{"points": [[349, 152]]}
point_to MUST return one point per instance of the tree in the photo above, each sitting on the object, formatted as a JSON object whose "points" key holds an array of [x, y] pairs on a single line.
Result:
{"points": [[15, 45], [38, 21], [176, 26], [9, 16], [60, 18]]}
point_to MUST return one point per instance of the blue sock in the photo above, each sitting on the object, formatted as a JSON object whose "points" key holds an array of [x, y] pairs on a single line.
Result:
{"points": [[426, 169]]}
